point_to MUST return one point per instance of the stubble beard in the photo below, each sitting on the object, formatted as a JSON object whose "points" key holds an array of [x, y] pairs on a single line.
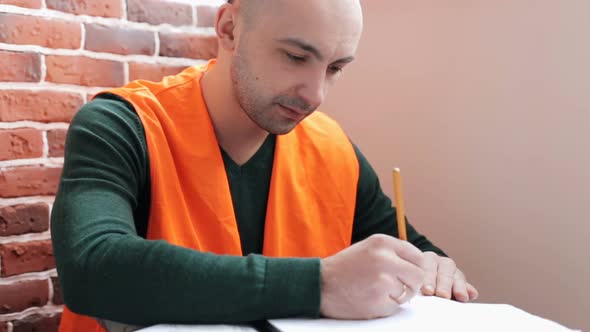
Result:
{"points": [[260, 111]]}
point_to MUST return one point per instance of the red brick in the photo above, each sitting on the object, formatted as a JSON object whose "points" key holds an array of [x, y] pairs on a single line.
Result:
{"points": [[41, 105], [152, 72], [28, 181], [20, 143], [24, 218], [117, 40], [31, 30], [159, 12], [186, 45], [84, 71], [35, 4], [206, 15], [3, 326], [22, 295], [37, 323], [56, 139], [20, 67], [19, 258], [58, 297], [105, 8]]}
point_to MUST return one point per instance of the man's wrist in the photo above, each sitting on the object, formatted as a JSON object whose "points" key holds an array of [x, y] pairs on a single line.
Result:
{"points": [[292, 287]]}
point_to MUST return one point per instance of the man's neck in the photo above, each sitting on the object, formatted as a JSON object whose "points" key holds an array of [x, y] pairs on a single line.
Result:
{"points": [[237, 135]]}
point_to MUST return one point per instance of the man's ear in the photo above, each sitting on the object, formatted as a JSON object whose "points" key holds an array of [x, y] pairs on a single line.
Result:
{"points": [[225, 26]]}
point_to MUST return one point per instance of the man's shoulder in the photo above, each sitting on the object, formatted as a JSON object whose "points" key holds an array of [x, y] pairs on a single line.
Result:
{"points": [[112, 118], [106, 108]]}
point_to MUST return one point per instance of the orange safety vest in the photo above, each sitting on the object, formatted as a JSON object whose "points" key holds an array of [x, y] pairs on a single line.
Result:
{"points": [[310, 210]]}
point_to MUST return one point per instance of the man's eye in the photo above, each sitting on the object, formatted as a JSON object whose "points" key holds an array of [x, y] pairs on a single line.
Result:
{"points": [[295, 58], [335, 70]]}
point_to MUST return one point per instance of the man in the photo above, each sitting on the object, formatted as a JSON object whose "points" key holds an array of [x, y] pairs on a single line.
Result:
{"points": [[219, 195]]}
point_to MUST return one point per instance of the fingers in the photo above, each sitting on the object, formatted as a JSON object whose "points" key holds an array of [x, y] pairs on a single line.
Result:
{"points": [[408, 265], [409, 252], [403, 296], [460, 287], [445, 277], [387, 264], [430, 271], [472, 291], [408, 274], [398, 259], [399, 292]]}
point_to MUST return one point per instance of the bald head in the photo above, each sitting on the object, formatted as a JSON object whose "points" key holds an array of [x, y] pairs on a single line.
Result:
{"points": [[285, 52], [324, 27], [283, 11], [249, 10]]}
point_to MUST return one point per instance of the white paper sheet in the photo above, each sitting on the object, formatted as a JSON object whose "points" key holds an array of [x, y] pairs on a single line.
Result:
{"points": [[198, 328], [433, 314], [423, 313]]}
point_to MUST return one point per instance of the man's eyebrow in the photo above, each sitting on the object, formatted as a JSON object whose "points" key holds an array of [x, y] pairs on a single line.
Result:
{"points": [[346, 60], [302, 45], [309, 48]]}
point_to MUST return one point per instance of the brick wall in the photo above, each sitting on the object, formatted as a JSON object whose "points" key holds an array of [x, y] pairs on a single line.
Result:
{"points": [[54, 55]]}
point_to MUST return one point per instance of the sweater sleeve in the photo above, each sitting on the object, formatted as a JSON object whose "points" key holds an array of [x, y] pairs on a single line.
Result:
{"points": [[374, 213], [106, 270]]}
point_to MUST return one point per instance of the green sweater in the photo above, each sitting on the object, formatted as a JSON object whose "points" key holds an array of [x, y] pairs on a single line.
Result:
{"points": [[107, 268]]}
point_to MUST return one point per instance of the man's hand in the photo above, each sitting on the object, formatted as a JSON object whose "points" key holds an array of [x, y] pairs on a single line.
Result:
{"points": [[444, 279], [371, 278]]}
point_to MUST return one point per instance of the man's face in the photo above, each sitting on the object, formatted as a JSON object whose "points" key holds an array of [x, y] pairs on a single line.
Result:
{"points": [[289, 55]]}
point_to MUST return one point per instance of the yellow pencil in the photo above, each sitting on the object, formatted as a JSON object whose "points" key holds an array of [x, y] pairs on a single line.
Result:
{"points": [[399, 205]]}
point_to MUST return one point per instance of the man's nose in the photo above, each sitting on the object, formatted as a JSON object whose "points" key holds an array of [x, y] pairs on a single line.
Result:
{"points": [[314, 90]]}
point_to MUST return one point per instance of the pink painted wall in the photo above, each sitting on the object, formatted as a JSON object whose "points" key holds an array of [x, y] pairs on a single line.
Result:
{"points": [[485, 106]]}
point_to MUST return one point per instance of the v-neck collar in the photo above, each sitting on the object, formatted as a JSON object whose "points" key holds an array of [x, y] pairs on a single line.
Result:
{"points": [[260, 159]]}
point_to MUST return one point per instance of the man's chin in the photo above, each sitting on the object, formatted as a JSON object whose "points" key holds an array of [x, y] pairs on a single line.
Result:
{"points": [[278, 127], [283, 129]]}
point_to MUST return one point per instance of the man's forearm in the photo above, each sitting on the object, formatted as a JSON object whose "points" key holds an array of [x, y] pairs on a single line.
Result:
{"points": [[140, 282]]}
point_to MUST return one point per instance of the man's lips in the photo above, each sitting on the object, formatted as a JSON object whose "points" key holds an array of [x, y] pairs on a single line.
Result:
{"points": [[293, 113]]}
